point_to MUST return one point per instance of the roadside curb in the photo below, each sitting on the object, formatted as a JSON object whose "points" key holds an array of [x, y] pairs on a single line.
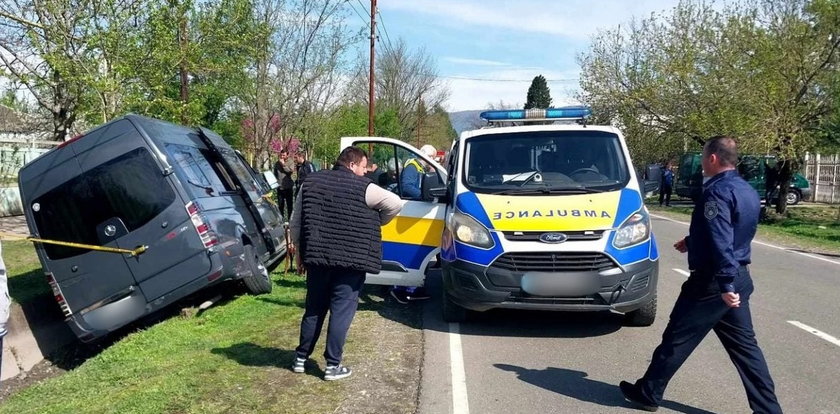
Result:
{"points": [[36, 329]]}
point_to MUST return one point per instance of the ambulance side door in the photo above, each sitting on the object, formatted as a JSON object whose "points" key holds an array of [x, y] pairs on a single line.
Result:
{"points": [[412, 239]]}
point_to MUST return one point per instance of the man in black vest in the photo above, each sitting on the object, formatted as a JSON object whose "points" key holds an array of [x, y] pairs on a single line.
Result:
{"points": [[336, 226]]}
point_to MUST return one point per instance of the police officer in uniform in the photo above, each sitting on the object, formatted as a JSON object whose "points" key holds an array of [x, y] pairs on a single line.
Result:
{"points": [[717, 293]]}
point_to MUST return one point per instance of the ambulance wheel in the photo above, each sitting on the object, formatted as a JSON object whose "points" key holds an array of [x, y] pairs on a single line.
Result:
{"points": [[259, 281], [643, 316], [452, 312]]}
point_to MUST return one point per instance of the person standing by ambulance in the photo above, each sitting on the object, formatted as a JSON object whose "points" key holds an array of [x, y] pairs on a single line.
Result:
{"points": [[717, 293], [336, 225]]}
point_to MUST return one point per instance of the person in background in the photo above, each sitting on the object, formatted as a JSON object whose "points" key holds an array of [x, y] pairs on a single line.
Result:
{"points": [[5, 303], [283, 170], [667, 184], [411, 179], [304, 168], [388, 180], [336, 226]]}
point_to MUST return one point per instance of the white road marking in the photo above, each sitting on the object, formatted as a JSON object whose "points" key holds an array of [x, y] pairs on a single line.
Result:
{"points": [[758, 242], [816, 332], [682, 272], [460, 404]]}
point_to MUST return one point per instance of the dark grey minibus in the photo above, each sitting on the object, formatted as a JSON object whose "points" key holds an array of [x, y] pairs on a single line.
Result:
{"points": [[182, 193]]}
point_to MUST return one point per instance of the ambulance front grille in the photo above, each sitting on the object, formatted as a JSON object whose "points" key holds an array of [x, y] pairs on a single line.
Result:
{"points": [[571, 235], [554, 262]]}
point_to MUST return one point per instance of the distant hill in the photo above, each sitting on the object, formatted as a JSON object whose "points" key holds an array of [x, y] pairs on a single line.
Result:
{"points": [[465, 120]]}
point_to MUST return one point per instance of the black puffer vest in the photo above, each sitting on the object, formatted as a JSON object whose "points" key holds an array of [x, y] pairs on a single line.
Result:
{"points": [[338, 228]]}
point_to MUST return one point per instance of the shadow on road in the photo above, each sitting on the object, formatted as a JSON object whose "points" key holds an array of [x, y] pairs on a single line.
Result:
{"points": [[575, 384]]}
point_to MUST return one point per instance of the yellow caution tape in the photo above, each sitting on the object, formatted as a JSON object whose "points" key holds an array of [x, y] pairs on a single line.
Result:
{"points": [[133, 252]]}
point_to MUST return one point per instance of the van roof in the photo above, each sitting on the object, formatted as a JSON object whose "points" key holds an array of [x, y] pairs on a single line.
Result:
{"points": [[537, 128]]}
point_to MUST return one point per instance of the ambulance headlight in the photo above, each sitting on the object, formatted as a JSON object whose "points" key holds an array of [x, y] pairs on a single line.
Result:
{"points": [[467, 230], [634, 230]]}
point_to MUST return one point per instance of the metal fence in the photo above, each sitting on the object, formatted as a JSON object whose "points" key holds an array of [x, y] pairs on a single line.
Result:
{"points": [[823, 172], [13, 157]]}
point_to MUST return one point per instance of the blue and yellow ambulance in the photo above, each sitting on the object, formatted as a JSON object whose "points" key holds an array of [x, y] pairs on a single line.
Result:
{"points": [[538, 215]]}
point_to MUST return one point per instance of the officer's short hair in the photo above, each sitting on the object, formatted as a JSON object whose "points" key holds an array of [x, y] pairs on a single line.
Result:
{"points": [[351, 155], [724, 147]]}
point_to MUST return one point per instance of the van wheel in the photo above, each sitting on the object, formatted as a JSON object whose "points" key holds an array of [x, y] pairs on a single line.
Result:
{"points": [[793, 197], [258, 282], [643, 316], [452, 312]]}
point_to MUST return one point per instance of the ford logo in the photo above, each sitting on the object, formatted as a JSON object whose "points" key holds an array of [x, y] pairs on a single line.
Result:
{"points": [[553, 237]]}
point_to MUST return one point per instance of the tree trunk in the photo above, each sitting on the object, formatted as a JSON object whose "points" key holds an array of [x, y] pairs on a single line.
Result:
{"points": [[785, 176]]}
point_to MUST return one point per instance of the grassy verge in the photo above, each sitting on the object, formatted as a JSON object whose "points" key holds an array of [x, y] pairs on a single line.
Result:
{"points": [[234, 358], [809, 227], [26, 280]]}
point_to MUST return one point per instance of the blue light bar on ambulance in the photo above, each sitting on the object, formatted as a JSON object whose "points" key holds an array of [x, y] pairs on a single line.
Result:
{"points": [[566, 112]]}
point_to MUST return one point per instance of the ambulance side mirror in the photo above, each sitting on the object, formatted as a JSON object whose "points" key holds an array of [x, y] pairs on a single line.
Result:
{"points": [[432, 183]]}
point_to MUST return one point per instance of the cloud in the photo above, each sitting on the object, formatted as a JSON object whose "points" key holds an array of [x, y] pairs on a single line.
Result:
{"points": [[474, 62], [570, 18]]}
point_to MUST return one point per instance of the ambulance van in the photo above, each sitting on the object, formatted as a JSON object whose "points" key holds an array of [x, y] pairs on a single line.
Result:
{"points": [[539, 210]]}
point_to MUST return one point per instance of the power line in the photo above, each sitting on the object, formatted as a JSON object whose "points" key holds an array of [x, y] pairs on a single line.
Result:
{"points": [[364, 20], [382, 23], [504, 80]]}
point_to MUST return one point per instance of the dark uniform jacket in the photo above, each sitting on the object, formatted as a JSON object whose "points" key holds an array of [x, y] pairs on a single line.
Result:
{"points": [[723, 224]]}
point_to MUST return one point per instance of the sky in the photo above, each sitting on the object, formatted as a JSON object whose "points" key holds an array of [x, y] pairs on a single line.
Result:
{"points": [[488, 51]]}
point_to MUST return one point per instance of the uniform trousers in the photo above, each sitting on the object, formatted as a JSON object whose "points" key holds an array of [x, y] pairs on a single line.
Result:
{"points": [[698, 310]]}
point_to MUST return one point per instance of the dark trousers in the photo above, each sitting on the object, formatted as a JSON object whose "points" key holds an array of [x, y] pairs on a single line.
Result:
{"points": [[665, 194], [700, 309], [336, 290], [285, 200]]}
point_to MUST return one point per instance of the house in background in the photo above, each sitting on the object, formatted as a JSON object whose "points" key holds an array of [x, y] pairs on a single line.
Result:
{"points": [[22, 140]]}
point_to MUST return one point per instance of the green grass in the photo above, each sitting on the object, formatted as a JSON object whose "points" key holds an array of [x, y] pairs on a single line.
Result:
{"points": [[809, 227], [26, 279], [231, 358]]}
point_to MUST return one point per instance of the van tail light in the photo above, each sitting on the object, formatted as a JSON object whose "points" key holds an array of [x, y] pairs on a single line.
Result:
{"points": [[59, 297], [208, 237], [76, 138]]}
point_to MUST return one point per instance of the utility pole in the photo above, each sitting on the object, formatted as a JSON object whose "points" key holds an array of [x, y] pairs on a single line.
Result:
{"points": [[372, 44]]}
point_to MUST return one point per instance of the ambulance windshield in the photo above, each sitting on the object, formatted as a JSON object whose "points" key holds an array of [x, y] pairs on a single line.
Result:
{"points": [[545, 162]]}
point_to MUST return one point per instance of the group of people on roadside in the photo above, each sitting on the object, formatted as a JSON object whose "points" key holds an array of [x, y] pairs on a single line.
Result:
{"points": [[337, 222]]}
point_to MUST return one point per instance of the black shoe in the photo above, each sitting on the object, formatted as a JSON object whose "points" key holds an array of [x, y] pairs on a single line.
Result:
{"points": [[337, 372], [634, 397], [400, 297]]}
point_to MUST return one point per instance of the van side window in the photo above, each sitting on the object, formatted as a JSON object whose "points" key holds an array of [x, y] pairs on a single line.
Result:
{"points": [[130, 187], [200, 176]]}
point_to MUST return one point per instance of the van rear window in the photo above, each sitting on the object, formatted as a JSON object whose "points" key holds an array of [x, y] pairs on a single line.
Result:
{"points": [[130, 187]]}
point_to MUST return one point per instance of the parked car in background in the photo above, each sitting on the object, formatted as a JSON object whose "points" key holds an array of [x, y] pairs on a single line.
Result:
{"points": [[753, 168], [183, 193]]}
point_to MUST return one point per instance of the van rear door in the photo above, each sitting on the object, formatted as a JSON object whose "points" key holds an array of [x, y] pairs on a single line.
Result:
{"points": [[136, 205], [56, 209]]}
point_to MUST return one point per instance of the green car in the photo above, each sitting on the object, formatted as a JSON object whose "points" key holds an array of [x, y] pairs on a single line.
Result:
{"points": [[752, 167]]}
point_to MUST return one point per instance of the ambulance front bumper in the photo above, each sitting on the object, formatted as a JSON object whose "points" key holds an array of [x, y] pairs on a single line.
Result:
{"points": [[617, 288]]}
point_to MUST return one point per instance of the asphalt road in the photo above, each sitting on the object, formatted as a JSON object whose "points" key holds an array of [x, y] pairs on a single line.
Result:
{"points": [[530, 362]]}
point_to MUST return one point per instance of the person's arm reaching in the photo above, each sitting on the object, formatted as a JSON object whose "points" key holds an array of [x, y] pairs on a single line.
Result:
{"points": [[385, 202]]}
